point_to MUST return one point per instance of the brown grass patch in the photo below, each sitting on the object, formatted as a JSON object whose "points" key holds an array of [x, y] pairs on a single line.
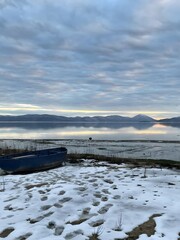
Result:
{"points": [[147, 228]]}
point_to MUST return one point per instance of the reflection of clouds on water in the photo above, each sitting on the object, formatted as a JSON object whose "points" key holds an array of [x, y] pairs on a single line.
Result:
{"points": [[150, 132], [104, 131], [158, 125], [51, 125]]}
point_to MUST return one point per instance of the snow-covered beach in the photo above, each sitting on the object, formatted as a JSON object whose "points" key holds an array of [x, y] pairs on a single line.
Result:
{"points": [[77, 201], [93, 200]]}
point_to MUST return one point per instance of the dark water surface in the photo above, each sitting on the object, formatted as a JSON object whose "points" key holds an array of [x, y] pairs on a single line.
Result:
{"points": [[99, 131]]}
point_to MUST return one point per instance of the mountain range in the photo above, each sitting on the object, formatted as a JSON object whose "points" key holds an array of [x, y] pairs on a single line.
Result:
{"points": [[45, 121], [112, 118]]}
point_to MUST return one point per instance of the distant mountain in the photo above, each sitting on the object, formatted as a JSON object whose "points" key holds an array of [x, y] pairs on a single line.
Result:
{"points": [[173, 122], [32, 117], [170, 120], [55, 118], [143, 118]]}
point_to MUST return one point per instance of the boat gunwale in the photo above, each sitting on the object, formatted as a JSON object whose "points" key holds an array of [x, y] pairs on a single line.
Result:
{"points": [[28, 162]]}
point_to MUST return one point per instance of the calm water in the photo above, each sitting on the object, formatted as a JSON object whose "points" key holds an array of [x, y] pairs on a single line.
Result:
{"points": [[98, 131]]}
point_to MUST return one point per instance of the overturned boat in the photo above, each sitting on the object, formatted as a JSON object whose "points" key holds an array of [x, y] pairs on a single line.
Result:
{"points": [[33, 161]]}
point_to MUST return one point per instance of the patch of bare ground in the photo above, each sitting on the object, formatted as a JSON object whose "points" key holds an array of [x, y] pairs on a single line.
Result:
{"points": [[147, 228]]}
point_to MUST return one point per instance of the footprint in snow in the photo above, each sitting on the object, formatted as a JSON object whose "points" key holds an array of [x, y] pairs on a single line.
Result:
{"points": [[45, 207], [86, 211], [116, 197], [95, 203], [39, 218], [57, 229], [66, 199], [8, 207], [106, 191], [104, 209], [104, 198], [72, 235], [81, 189], [24, 237], [6, 232], [51, 225], [41, 192], [29, 196], [62, 192], [95, 185], [97, 194], [96, 223], [114, 187], [58, 205], [93, 180], [108, 181], [10, 199]]}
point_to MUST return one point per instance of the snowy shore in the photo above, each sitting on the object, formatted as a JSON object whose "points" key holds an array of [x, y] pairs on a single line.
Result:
{"points": [[77, 201], [93, 200]]}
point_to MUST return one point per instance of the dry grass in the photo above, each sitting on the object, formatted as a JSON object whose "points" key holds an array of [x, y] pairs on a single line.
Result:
{"points": [[7, 151], [77, 157], [96, 234]]}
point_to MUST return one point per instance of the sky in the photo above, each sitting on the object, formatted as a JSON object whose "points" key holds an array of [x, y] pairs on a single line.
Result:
{"points": [[89, 57]]}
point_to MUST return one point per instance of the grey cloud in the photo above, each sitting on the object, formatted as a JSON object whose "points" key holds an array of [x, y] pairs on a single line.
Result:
{"points": [[90, 54], [12, 3]]}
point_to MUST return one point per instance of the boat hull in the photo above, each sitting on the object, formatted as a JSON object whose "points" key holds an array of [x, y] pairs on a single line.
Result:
{"points": [[33, 161]]}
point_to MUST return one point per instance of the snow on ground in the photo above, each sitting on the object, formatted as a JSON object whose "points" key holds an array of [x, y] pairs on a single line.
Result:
{"points": [[75, 201]]}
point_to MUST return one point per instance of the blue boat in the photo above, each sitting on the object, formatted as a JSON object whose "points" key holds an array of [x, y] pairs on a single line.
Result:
{"points": [[33, 161]]}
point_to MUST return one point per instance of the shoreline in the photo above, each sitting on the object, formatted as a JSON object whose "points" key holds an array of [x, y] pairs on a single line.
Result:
{"points": [[132, 150], [87, 140]]}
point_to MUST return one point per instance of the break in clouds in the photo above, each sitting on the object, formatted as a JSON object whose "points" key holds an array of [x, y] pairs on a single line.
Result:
{"points": [[119, 55]]}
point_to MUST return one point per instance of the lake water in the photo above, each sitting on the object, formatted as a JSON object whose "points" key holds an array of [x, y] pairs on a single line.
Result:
{"points": [[97, 131]]}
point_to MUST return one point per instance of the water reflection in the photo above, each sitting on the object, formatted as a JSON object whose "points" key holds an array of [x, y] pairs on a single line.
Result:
{"points": [[104, 131], [156, 129], [51, 125]]}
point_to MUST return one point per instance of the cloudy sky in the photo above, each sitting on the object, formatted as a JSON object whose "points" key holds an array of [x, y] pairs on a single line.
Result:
{"points": [[89, 57]]}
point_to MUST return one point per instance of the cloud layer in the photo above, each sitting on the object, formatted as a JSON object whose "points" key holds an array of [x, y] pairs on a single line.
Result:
{"points": [[106, 55]]}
